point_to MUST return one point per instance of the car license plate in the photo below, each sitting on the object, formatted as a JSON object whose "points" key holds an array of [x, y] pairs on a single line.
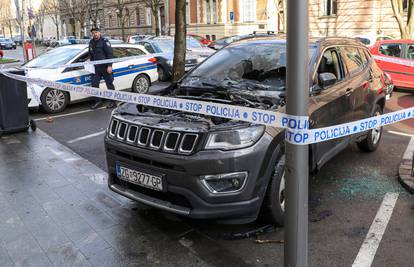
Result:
{"points": [[387, 97], [139, 178]]}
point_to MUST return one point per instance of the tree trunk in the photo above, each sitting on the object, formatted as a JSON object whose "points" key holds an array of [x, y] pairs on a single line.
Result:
{"points": [[57, 32], [10, 30], [180, 40], [405, 26], [157, 23]]}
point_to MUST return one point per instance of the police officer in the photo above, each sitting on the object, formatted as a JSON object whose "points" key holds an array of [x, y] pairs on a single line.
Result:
{"points": [[99, 49]]}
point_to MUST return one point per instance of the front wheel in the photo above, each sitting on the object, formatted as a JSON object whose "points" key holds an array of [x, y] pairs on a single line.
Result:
{"points": [[53, 100], [275, 199], [371, 141], [141, 84]]}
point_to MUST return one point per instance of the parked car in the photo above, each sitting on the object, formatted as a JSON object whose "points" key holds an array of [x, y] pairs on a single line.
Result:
{"points": [[135, 75], [7, 43], [17, 39], [71, 39], [196, 53], [201, 39], [208, 167], [133, 39], [370, 40], [396, 58], [220, 43]]}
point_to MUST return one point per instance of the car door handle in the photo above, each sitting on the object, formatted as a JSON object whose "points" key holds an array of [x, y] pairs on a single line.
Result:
{"points": [[348, 92], [131, 66]]}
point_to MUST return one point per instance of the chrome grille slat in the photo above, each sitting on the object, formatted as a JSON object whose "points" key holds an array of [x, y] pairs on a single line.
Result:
{"points": [[114, 124], [176, 142], [122, 129], [188, 151], [155, 132], [148, 132], [130, 130]]}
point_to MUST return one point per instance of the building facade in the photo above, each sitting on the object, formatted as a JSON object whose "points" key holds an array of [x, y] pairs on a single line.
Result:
{"points": [[218, 18]]}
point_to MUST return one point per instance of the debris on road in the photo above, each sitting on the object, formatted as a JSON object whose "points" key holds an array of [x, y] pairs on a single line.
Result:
{"points": [[267, 241], [251, 233], [49, 119]]}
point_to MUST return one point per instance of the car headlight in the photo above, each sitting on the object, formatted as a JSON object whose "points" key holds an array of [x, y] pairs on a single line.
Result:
{"points": [[200, 59], [234, 139], [170, 62]]}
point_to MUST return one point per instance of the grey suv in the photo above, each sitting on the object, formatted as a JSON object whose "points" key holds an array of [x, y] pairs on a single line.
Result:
{"points": [[208, 167]]}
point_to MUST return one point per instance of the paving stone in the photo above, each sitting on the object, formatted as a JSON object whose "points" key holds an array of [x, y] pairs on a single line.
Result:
{"points": [[92, 244], [25, 251], [50, 236], [66, 255], [109, 257], [11, 226], [70, 194], [78, 231], [5, 260], [95, 217], [61, 212]]}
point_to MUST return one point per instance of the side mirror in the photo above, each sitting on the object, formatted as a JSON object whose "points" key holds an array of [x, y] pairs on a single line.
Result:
{"points": [[326, 79]]}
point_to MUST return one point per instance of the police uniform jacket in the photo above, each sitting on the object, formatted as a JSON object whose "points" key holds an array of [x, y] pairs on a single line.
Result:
{"points": [[100, 49]]}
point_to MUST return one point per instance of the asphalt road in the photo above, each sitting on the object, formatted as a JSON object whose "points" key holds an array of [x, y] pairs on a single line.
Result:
{"points": [[344, 198], [18, 53]]}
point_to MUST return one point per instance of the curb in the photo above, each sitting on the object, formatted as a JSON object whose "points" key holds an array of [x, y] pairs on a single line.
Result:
{"points": [[406, 168]]}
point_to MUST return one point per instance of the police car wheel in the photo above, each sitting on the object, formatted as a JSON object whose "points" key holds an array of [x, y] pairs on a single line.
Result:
{"points": [[371, 141], [54, 101], [162, 74], [273, 210], [141, 84]]}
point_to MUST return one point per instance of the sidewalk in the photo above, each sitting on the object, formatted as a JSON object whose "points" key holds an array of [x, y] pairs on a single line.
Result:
{"points": [[56, 210], [397, 102]]}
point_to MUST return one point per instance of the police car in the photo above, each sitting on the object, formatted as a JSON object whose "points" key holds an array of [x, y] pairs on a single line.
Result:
{"points": [[133, 74]]}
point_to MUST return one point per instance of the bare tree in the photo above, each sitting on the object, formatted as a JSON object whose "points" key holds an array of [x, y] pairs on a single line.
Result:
{"points": [[406, 24], [94, 8], [77, 10], [180, 40], [154, 5], [53, 11], [40, 17], [7, 20]]}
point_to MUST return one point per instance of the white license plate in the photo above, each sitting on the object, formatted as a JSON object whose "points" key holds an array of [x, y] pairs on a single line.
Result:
{"points": [[387, 97], [139, 178]]}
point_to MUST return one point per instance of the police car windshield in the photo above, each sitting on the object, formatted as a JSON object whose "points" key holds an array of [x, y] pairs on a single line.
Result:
{"points": [[54, 58], [255, 66]]}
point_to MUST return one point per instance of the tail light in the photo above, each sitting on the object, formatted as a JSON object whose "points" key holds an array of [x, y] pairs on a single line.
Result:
{"points": [[153, 60]]}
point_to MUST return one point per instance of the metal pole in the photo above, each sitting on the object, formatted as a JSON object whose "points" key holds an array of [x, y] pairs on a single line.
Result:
{"points": [[297, 169]]}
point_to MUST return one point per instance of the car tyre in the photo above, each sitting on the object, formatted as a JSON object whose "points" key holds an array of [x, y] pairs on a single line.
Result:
{"points": [[53, 100], [274, 201], [141, 84], [372, 140], [162, 74]]}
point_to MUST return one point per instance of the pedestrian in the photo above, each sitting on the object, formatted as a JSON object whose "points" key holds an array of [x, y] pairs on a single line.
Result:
{"points": [[99, 49]]}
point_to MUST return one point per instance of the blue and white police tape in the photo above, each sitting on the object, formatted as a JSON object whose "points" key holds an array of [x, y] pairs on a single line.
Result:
{"points": [[252, 115], [311, 136], [296, 132], [400, 61]]}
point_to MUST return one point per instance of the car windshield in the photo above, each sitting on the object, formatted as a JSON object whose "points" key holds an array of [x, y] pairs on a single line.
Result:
{"points": [[54, 58], [167, 45], [245, 66]]}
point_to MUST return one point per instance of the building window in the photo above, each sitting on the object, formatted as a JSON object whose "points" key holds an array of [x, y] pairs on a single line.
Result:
{"points": [[215, 17], [138, 18], [127, 18], [329, 7], [148, 16], [249, 10], [208, 12], [110, 21]]}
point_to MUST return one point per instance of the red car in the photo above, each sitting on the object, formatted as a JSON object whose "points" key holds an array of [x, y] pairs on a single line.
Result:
{"points": [[201, 39], [396, 57]]}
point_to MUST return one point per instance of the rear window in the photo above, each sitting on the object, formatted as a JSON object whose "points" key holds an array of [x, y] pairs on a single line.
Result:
{"points": [[352, 59], [391, 50]]}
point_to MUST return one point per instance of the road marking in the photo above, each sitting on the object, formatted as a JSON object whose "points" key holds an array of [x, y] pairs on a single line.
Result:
{"points": [[85, 137], [410, 150], [371, 243], [400, 133], [68, 114]]}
